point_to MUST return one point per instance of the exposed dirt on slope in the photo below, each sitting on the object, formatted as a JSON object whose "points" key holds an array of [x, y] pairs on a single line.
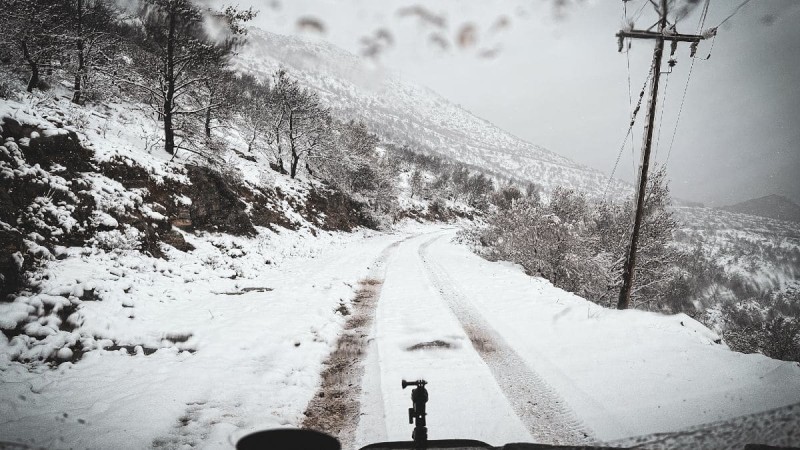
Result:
{"points": [[219, 203], [34, 201], [330, 209]]}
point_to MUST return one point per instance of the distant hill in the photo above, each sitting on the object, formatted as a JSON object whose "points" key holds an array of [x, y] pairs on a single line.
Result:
{"points": [[772, 206]]}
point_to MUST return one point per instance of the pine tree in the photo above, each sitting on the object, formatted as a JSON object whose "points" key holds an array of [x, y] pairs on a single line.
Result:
{"points": [[176, 40]]}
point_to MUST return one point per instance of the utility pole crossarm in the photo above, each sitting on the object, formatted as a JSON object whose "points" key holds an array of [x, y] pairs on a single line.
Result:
{"points": [[674, 37]]}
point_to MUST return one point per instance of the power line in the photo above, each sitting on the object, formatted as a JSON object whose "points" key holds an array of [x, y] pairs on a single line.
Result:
{"points": [[661, 117], [630, 105], [703, 16], [701, 23], [634, 114], [630, 94], [680, 110], [638, 13], [736, 11]]}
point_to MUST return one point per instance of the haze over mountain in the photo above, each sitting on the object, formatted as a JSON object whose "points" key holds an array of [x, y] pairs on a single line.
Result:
{"points": [[772, 206], [554, 71], [407, 114]]}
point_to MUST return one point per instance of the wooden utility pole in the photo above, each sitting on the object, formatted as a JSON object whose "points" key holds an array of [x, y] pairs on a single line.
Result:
{"points": [[660, 36]]}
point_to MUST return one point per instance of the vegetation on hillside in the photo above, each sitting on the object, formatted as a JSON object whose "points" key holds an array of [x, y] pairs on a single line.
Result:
{"points": [[164, 66], [580, 246], [171, 58]]}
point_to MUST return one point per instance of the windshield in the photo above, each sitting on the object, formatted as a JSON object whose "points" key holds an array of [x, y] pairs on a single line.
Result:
{"points": [[399, 223]]}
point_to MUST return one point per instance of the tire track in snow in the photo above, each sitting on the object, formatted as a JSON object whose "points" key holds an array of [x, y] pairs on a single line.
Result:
{"points": [[336, 407], [337, 414], [544, 413]]}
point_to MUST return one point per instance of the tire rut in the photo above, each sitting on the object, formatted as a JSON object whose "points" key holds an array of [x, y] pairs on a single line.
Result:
{"points": [[335, 407], [547, 417]]}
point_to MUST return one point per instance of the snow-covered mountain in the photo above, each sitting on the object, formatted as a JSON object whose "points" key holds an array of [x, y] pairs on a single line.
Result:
{"points": [[404, 113], [772, 206]]}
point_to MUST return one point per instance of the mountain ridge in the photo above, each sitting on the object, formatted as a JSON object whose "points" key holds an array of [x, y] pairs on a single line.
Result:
{"points": [[773, 206], [408, 114]]}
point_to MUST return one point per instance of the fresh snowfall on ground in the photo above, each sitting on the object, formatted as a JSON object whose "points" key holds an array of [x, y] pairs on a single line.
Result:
{"points": [[185, 301], [246, 354]]}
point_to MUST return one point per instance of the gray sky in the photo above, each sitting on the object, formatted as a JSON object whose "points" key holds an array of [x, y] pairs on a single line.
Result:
{"points": [[558, 81]]}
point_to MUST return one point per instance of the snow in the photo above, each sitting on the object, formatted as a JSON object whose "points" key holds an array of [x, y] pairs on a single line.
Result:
{"points": [[13, 313], [624, 373], [200, 348], [199, 360], [103, 219], [465, 399], [225, 364], [761, 251]]}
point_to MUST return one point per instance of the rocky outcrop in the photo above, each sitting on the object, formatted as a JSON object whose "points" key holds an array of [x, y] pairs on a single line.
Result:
{"points": [[215, 205]]}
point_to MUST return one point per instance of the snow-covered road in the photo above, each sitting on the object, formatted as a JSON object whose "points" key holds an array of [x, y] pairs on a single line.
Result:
{"points": [[511, 358], [479, 387], [508, 357], [255, 358]]}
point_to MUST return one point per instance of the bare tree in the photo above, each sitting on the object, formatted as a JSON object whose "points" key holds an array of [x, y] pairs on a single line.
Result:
{"points": [[255, 109], [358, 140], [33, 28], [93, 35], [221, 96], [304, 122], [416, 182], [277, 120], [222, 92]]}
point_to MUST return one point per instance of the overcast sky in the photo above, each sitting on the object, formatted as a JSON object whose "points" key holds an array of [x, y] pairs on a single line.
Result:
{"points": [[555, 78]]}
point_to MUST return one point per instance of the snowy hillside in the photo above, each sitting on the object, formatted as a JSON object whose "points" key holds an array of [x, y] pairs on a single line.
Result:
{"points": [[84, 202], [408, 114], [764, 253]]}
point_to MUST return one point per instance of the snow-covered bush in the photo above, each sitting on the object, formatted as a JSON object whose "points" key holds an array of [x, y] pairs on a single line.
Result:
{"points": [[129, 238], [504, 198], [549, 240], [769, 325], [580, 246]]}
